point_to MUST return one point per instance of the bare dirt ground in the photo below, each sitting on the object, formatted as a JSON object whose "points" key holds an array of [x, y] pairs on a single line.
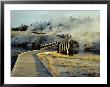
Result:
{"points": [[87, 65]]}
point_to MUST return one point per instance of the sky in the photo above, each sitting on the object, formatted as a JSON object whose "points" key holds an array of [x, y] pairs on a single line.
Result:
{"points": [[28, 17]]}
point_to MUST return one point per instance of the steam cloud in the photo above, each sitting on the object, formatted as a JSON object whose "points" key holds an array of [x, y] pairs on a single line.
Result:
{"points": [[83, 29]]}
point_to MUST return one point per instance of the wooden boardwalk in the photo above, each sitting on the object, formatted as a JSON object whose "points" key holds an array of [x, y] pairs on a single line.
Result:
{"points": [[29, 65]]}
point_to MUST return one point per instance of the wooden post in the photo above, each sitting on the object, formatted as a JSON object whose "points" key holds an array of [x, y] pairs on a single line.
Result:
{"points": [[68, 44], [64, 46], [59, 48], [67, 51]]}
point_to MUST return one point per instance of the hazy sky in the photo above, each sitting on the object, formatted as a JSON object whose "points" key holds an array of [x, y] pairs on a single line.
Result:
{"points": [[19, 17]]}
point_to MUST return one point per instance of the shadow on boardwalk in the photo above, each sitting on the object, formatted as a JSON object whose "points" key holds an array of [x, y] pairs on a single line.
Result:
{"points": [[40, 68]]}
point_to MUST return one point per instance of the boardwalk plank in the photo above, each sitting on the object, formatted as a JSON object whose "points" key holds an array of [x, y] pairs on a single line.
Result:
{"points": [[28, 65]]}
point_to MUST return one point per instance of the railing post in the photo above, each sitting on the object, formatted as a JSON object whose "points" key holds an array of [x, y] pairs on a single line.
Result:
{"points": [[64, 46], [59, 47], [67, 51]]}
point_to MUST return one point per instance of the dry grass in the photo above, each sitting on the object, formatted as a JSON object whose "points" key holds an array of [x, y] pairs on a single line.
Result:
{"points": [[76, 65], [15, 33], [48, 61], [25, 33], [87, 57], [53, 69]]}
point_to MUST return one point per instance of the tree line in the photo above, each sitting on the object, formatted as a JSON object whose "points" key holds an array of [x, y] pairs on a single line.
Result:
{"points": [[20, 28]]}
